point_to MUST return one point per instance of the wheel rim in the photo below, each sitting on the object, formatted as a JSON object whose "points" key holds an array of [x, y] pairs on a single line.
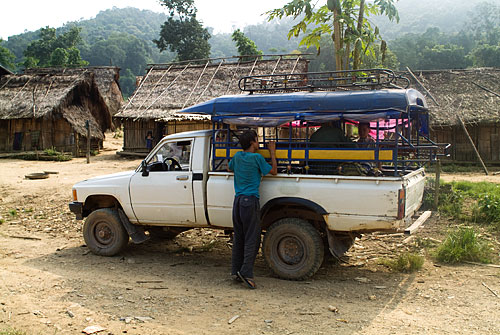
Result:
{"points": [[291, 250], [103, 233]]}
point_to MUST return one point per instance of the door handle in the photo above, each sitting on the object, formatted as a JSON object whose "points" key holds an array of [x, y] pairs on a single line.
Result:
{"points": [[182, 177]]}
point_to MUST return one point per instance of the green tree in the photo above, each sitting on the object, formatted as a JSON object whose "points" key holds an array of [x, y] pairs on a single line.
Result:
{"points": [[485, 23], [344, 20], [245, 45], [58, 57], [74, 58], [182, 32], [440, 56], [54, 50], [486, 55], [6, 57], [125, 51]]}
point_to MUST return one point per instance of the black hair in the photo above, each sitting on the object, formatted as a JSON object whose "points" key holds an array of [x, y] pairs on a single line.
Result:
{"points": [[247, 138], [364, 124]]}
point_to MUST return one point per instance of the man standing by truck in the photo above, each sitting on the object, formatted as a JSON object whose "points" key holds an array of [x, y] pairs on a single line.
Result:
{"points": [[248, 167]]}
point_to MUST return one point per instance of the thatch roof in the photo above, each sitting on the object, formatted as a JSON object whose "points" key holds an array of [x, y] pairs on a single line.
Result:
{"points": [[168, 88], [461, 92], [106, 77], [52, 93]]}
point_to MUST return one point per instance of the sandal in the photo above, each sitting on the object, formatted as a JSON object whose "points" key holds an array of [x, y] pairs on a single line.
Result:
{"points": [[249, 282]]}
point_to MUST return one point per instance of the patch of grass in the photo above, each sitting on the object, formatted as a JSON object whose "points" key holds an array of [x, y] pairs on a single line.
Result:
{"points": [[13, 212], [454, 168], [488, 210], [118, 133], [51, 152], [451, 201], [2, 221], [425, 243], [464, 244], [47, 155], [406, 262], [56, 155], [11, 331]]}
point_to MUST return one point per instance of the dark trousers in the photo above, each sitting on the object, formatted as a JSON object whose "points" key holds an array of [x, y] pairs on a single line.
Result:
{"points": [[246, 238]]}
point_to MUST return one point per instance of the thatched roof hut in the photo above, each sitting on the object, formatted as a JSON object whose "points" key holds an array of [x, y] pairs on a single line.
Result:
{"points": [[49, 108], [168, 88], [472, 94], [107, 80]]}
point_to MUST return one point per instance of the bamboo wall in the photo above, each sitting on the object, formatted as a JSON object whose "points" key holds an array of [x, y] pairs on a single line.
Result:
{"points": [[486, 137], [134, 132], [41, 134]]}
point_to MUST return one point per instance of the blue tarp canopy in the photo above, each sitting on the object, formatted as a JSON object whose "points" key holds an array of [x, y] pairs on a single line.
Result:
{"points": [[277, 109]]}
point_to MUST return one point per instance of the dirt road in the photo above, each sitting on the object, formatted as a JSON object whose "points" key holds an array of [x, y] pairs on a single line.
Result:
{"points": [[51, 284]]}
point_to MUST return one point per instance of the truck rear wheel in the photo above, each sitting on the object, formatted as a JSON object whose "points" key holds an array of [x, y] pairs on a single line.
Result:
{"points": [[293, 249], [104, 233]]}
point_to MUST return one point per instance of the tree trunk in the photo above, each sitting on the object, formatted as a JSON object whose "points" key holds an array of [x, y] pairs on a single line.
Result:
{"points": [[337, 40], [357, 44]]}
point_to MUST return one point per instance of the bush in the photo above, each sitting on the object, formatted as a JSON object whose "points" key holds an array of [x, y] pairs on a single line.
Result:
{"points": [[451, 201], [55, 155], [462, 245], [406, 262], [489, 209]]}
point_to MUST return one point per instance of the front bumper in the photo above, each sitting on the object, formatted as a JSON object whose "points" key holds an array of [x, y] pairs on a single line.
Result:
{"points": [[77, 209]]}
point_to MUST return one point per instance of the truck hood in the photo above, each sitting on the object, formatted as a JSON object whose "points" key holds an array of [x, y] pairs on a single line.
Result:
{"points": [[109, 179]]}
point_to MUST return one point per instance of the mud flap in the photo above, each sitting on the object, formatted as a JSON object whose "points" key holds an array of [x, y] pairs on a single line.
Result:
{"points": [[339, 244], [136, 233]]}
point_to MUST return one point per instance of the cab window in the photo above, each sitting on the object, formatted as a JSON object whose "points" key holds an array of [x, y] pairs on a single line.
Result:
{"points": [[171, 156]]}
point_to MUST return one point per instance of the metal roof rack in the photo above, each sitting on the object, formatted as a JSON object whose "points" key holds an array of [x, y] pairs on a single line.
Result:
{"points": [[323, 81]]}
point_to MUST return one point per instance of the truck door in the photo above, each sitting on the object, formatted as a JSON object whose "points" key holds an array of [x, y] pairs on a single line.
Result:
{"points": [[165, 193]]}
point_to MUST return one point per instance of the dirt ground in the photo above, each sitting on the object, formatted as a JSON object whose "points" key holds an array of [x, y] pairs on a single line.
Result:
{"points": [[51, 284]]}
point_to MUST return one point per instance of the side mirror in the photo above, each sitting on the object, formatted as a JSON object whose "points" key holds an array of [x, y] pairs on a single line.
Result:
{"points": [[144, 169]]}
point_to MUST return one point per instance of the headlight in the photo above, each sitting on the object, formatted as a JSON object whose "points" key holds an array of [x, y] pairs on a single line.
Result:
{"points": [[75, 198]]}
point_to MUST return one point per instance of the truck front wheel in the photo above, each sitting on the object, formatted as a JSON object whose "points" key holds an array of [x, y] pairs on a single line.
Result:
{"points": [[293, 249], [104, 233]]}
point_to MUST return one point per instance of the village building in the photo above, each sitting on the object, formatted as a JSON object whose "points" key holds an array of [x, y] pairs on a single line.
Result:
{"points": [[49, 108], [471, 95], [166, 89]]}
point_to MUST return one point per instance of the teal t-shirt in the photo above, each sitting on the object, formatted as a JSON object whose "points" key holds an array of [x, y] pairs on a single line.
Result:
{"points": [[248, 168]]}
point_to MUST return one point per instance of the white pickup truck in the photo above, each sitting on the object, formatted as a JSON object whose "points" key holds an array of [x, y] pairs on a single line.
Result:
{"points": [[303, 215]]}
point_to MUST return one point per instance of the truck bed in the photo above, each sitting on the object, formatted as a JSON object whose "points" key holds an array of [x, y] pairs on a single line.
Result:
{"points": [[353, 203]]}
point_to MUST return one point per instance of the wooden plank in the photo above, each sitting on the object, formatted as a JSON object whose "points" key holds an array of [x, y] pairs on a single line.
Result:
{"points": [[486, 89], [411, 229], [472, 144], [422, 85], [436, 185]]}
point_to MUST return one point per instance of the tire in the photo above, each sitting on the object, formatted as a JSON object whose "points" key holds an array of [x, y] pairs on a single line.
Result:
{"points": [[104, 233], [293, 249]]}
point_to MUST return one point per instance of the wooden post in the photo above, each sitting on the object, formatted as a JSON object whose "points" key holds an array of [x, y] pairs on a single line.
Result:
{"points": [[87, 125], [436, 184], [473, 145]]}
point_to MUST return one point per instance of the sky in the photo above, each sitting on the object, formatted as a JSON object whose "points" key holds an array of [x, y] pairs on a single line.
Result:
{"points": [[222, 15]]}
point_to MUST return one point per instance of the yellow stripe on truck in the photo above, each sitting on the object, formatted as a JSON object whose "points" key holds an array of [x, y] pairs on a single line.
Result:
{"points": [[365, 155]]}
